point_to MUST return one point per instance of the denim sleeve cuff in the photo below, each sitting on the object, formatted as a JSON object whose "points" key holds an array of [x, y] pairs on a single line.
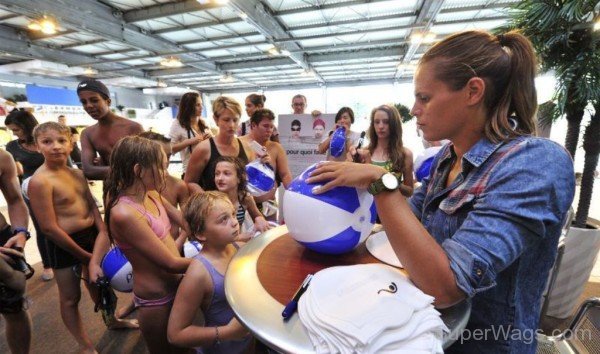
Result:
{"points": [[472, 274]]}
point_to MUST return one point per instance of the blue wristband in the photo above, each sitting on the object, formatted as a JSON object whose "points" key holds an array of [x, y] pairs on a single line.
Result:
{"points": [[17, 230]]}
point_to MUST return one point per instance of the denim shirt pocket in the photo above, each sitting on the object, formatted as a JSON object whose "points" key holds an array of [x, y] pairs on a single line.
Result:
{"points": [[456, 211]]}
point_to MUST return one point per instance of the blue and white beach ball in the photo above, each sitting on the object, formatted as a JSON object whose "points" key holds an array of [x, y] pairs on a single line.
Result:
{"points": [[333, 222], [337, 144], [191, 248], [118, 270], [261, 178]]}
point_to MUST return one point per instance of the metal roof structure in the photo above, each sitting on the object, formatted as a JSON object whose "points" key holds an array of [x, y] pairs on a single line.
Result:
{"points": [[237, 45]]}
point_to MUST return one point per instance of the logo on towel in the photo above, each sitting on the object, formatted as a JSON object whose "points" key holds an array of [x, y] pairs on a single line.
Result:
{"points": [[392, 288]]}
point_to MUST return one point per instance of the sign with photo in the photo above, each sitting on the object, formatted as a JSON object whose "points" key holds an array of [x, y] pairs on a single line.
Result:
{"points": [[300, 135]]}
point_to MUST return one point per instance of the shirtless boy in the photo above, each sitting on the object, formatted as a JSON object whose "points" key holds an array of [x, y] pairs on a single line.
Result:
{"points": [[69, 217], [102, 136]]}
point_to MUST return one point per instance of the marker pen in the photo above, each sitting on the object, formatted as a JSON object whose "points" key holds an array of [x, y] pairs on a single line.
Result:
{"points": [[291, 306]]}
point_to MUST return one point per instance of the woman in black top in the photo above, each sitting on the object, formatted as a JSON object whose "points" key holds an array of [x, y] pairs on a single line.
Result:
{"points": [[28, 159], [226, 112]]}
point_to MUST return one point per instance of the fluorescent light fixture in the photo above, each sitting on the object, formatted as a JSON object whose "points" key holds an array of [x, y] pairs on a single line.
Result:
{"points": [[11, 84], [129, 81], [221, 2], [286, 52], [243, 16], [42, 67], [597, 25], [160, 83], [171, 62]]}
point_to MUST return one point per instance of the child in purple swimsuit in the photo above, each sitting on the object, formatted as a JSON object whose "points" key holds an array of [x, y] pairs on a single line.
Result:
{"points": [[212, 221]]}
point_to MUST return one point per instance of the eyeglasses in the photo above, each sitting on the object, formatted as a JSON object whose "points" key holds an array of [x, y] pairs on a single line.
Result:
{"points": [[295, 129], [298, 104]]}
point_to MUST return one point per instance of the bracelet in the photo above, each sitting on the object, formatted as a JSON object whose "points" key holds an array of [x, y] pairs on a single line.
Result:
{"points": [[17, 230], [217, 340]]}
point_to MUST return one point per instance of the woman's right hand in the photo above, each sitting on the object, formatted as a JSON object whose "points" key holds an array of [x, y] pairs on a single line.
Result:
{"points": [[349, 174]]}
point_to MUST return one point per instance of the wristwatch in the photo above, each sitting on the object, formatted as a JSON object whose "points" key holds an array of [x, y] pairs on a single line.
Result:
{"points": [[387, 182]]}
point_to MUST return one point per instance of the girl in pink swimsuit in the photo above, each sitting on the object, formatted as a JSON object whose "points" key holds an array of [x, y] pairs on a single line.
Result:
{"points": [[139, 221]]}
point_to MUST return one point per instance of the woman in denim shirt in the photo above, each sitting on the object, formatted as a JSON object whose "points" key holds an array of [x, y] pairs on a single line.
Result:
{"points": [[485, 223]]}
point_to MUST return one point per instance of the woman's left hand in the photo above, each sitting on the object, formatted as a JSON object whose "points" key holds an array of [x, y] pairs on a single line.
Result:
{"points": [[344, 174]]}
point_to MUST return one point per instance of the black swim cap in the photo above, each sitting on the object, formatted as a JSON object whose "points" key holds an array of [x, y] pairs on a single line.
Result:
{"points": [[94, 86]]}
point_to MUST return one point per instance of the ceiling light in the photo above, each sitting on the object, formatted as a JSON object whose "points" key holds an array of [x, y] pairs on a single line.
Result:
{"points": [[171, 62], [89, 71], [221, 2], [597, 25], [308, 73], [243, 16], [426, 38], [161, 83], [273, 51], [226, 78], [45, 24]]}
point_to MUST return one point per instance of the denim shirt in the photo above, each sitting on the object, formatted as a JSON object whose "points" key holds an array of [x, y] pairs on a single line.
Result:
{"points": [[499, 224]]}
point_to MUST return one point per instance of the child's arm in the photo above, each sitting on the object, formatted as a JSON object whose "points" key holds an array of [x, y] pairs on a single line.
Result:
{"points": [[190, 295], [174, 214], [260, 223], [131, 227], [102, 243], [17, 209], [88, 153], [196, 165], [40, 191]]}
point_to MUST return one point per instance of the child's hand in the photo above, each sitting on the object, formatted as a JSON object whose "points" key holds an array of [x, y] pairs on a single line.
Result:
{"points": [[234, 330], [95, 272], [266, 159], [244, 237], [261, 224]]}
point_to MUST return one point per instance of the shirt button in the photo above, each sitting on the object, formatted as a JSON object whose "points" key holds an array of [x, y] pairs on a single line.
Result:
{"points": [[478, 272]]}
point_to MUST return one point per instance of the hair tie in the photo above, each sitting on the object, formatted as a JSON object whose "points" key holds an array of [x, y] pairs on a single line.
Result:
{"points": [[501, 39]]}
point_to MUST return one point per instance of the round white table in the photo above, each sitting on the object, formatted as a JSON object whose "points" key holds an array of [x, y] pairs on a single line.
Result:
{"points": [[265, 273]]}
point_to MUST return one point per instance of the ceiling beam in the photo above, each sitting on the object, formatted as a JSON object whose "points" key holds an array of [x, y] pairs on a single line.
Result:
{"points": [[426, 16], [320, 58], [225, 21], [81, 44], [353, 21], [318, 7], [11, 42], [287, 86], [36, 36], [166, 10], [261, 18], [99, 19]]}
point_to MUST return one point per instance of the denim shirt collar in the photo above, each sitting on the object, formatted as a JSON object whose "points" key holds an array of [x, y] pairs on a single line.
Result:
{"points": [[476, 155]]}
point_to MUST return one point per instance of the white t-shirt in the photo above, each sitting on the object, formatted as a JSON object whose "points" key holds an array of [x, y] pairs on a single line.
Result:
{"points": [[179, 134]]}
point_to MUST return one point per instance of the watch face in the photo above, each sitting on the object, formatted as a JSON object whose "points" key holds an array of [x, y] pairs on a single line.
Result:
{"points": [[389, 181]]}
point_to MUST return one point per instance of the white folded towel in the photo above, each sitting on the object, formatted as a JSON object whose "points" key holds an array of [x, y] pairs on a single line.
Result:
{"points": [[369, 308]]}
